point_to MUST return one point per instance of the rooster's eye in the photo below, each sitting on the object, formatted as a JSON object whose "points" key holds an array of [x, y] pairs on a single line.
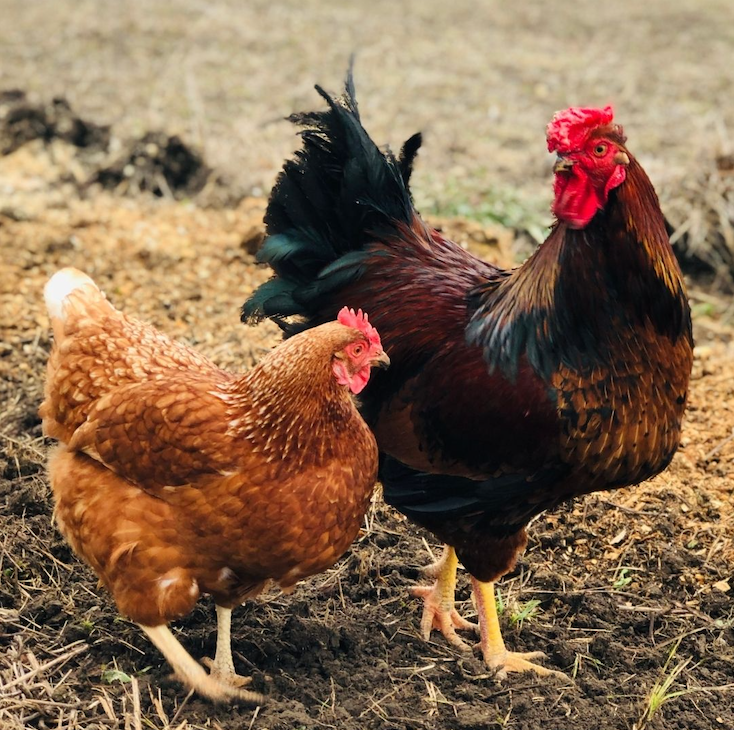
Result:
{"points": [[600, 150]]}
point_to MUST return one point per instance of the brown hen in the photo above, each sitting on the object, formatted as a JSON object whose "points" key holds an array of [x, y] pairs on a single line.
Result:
{"points": [[175, 478]]}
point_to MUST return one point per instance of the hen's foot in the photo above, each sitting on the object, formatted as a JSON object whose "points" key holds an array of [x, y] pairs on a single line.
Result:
{"points": [[192, 674], [225, 674], [221, 668]]}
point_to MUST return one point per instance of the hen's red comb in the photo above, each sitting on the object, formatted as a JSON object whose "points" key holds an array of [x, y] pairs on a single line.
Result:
{"points": [[358, 320], [569, 129]]}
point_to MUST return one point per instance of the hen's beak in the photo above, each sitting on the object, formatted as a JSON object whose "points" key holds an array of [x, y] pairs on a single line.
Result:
{"points": [[562, 164], [381, 361]]}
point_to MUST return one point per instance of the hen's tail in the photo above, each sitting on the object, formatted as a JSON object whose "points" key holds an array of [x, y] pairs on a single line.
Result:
{"points": [[336, 195], [68, 291]]}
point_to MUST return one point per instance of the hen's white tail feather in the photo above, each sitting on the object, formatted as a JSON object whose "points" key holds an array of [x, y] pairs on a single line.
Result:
{"points": [[60, 286]]}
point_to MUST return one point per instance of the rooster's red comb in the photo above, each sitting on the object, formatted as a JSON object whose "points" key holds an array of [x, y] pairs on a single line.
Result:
{"points": [[569, 129], [358, 320]]}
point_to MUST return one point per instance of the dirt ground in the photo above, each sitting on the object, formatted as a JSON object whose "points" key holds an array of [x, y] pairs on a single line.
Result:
{"points": [[629, 593]]}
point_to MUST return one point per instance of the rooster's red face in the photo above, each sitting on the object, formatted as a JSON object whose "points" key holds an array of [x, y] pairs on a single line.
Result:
{"points": [[591, 162]]}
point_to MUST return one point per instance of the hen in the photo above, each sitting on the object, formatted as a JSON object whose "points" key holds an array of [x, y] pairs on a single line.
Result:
{"points": [[510, 391], [175, 478]]}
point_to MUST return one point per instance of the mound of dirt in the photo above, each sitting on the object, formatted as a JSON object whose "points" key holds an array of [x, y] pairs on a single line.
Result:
{"points": [[82, 155], [158, 164], [22, 121]]}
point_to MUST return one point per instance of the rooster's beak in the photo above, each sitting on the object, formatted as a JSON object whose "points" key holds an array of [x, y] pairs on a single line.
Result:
{"points": [[562, 164], [381, 361]]}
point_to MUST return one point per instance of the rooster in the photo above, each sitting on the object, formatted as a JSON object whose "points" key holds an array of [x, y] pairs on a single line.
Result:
{"points": [[175, 478], [510, 391]]}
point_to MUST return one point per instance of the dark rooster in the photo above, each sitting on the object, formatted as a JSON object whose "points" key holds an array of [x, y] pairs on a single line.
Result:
{"points": [[510, 392]]}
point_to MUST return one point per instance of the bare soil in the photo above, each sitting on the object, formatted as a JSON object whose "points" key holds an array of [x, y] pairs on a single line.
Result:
{"points": [[629, 593]]}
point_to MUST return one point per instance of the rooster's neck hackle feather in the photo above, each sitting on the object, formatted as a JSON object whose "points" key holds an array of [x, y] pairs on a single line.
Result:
{"points": [[563, 307]]}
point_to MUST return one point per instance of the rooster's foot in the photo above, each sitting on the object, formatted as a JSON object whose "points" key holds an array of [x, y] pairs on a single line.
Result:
{"points": [[511, 661], [437, 615]]}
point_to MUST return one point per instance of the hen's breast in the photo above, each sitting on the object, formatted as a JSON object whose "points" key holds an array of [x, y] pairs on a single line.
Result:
{"points": [[273, 521]]}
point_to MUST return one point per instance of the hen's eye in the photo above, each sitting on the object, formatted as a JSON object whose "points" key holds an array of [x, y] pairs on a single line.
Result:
{"points": [[600, 150], [357, 350]]}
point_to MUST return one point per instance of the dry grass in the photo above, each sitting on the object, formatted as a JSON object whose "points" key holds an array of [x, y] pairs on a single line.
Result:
{"points": [[224, 74], [702, 214], [480, 79]]}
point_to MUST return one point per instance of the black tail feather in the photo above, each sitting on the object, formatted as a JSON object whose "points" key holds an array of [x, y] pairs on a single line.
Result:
{"points": [[338, 193], [407, 156]]}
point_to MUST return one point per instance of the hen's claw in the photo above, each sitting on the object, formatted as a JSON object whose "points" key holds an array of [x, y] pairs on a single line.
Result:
{"points": [[224, 675], [192, 674]]}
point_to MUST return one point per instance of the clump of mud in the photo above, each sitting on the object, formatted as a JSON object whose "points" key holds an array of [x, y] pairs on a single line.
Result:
{"points": [[156, 163], [22, 121], [88, 156]]}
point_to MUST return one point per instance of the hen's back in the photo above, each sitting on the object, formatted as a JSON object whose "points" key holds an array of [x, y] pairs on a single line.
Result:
{"points": [[98, 348]]}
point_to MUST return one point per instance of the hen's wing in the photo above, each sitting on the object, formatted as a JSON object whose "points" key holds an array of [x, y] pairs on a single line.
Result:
{"points": [[160, 433]]}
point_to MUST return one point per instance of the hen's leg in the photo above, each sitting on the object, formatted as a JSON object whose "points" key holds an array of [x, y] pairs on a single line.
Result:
{"points": [[222, 666], [493, 646], [438, 607], [192, 674]]}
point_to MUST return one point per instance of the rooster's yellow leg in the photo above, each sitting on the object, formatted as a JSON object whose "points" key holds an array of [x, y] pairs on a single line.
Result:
{"points": [[438, 607], [491, 643], [222, 666], [192, 674]]}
